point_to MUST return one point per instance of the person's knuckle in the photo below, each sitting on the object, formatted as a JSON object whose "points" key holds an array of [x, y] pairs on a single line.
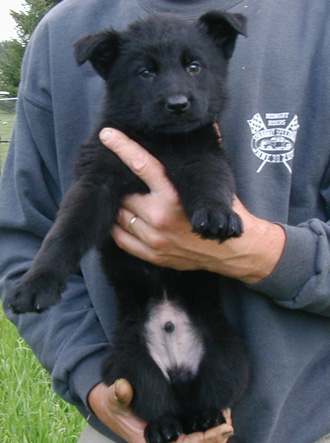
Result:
{"points": [[121, 218], [119, 238], [138, 161], [172, 194], [158, 261], [154, 240], [158, 219]]}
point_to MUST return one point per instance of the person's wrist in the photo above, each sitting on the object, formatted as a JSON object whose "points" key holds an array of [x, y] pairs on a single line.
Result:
{"points": [[253, 256], [95, 398], [266, 249]]}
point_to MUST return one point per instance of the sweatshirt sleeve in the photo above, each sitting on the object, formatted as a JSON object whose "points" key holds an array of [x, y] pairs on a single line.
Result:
{"points": [[68, 339], [301, 279]]}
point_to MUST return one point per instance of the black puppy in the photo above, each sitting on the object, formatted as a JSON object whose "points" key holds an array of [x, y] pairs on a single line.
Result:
{"points": [[166, 86]]}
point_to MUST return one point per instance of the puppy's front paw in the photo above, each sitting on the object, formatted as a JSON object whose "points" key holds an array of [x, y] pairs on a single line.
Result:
{"points": [[34, 293], [164, 430], [218, 224]]}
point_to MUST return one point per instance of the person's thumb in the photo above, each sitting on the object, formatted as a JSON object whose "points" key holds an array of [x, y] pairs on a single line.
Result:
{"points": [[123, 393]]}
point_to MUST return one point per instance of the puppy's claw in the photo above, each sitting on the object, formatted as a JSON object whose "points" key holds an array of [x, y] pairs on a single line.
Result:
{"points": [[164, 430], [204, 420], [34, 293], [216, 225]]}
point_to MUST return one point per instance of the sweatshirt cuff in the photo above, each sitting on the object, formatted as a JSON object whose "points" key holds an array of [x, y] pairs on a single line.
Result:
{"points": [[294, 269], [82, 381], [85, 376]]}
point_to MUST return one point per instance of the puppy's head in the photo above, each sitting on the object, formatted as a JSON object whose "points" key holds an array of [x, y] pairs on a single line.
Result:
{"points": [[165, 75]]}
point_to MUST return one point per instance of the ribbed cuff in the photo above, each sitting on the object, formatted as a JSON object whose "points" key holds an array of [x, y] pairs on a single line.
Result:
{"points": [[295, 268]]}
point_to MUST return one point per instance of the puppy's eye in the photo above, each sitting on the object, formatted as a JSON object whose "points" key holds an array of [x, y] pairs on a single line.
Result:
{"points": [[146, 73], [194, 68]]}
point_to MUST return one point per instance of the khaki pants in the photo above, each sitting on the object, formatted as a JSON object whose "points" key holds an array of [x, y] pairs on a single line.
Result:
{"points": [[325, 439], [92, 436]]}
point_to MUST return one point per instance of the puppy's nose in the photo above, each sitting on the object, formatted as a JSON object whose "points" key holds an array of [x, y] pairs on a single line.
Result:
{"points": [[178, 103]]}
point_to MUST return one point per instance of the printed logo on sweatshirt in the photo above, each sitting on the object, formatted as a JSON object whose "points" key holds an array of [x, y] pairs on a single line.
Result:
{"points": [[273, 138]]}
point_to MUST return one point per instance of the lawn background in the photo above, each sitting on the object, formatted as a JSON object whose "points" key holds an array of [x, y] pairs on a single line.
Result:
{"points": [[30, 411], [7, 116]]}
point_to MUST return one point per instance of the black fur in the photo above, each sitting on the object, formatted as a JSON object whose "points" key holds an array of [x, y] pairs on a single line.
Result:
{"points": [[166, 86]]}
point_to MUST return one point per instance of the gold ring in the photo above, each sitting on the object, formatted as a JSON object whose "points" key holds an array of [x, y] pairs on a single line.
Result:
{"points": [[131, 223]]}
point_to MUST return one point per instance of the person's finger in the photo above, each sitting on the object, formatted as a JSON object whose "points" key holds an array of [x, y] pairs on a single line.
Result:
{"points": [[219, 434], [159, 211], [227, 416], [138, 159], [214, 436], [127, 219], [140, 237], [123, 393], [120, 417], [132, 223], [133, 245]]}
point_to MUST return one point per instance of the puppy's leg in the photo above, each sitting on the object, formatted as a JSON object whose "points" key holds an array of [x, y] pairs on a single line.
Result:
{"points": [[86, 214], [207, 190], [222, 380], [154, 400]]}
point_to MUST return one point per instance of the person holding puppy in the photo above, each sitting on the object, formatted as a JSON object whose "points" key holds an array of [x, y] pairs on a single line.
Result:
{"points": [[275, 277]]}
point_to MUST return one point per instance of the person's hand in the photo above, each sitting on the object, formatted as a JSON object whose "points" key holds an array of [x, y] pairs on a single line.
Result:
{"points": [[161, 233], [111, 404]]}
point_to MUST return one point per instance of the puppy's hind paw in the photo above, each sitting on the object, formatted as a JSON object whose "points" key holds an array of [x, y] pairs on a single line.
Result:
{"points": [[34, 294], [204, 420], [164, 430]]}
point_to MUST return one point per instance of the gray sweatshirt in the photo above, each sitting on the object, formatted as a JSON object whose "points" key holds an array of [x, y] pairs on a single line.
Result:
{"points": [[276, 130]]}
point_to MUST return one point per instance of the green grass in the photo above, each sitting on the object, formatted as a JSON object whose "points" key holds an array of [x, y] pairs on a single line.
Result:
{"points": [[30, 411], [3, 153], [6, 123]]}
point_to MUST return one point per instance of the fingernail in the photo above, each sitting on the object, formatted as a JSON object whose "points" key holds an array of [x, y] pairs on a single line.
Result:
{"points": [[227, 434], [105, 135], [117, 388]]}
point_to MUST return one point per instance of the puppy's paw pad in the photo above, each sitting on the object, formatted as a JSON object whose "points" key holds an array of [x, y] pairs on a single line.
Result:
{"points": [[164, 430]]}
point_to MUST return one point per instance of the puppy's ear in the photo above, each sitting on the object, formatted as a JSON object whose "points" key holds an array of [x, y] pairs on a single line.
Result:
{"points": [[101, 49], [224, 28]]}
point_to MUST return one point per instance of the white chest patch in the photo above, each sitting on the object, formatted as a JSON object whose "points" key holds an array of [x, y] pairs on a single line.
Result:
{"points": [[172, 340]]}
